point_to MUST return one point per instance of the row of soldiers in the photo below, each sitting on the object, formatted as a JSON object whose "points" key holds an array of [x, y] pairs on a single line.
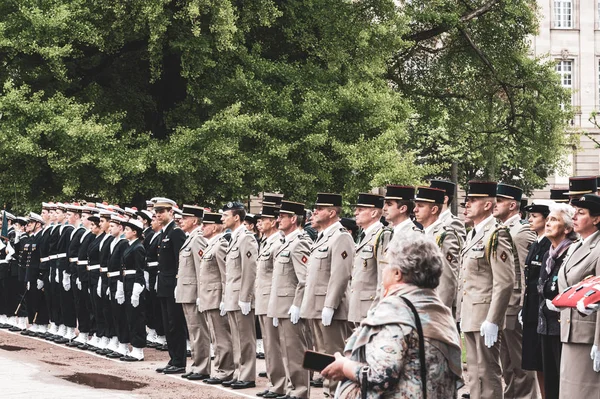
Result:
{"points": [[126, 278]]}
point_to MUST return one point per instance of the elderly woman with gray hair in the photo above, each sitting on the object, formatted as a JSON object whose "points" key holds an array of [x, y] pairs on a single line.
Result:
{"points": [[408, 346]]}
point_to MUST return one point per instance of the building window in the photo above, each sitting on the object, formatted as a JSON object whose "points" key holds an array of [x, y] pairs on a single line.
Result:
{"points": [[565, 70], [563, 13]]}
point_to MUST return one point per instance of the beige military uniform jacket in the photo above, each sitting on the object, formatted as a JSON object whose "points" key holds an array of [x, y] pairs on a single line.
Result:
{"points": [[450, 244], [487, 284], [264, 274], [522, 238], [187, 281], [211, 274], [582, 262], [366, 271], [289, 274], [454, 222], [329, 270], [240, 265]]}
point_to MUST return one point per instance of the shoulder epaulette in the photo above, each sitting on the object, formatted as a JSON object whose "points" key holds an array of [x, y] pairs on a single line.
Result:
{"points": [[492, 247], [379, 237]]}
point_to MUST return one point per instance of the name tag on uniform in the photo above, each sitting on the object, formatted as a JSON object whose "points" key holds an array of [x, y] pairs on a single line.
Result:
{"points": [[324, 249], [285, 254], [266, 254], [368, 248], [166, 239], [479, 247]]}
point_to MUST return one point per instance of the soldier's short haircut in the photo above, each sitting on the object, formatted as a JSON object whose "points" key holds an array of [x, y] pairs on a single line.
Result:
{"points": [[338, 210], [450, 199], [410, 206], [299, 220], [240, 212]]}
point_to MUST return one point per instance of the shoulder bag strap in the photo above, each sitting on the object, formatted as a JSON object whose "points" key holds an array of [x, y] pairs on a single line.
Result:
{"points": [[421, 346]]}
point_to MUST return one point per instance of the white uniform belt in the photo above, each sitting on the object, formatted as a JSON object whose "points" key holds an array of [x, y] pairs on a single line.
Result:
{"points": [[104, 269], [63, 255], [52, 257], [113, 274], [82, 262], [152, 264], [128, 272], [3, 261], [93, 267], [73, 259], [46, 259]]}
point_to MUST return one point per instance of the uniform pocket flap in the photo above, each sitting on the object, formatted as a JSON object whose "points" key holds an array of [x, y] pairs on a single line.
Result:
{"points": [[266, 291], [366, 255], [367, 295], [189, 281], [214, 287], [285, 292], [236, 286], [481, 299], [321, 291]]}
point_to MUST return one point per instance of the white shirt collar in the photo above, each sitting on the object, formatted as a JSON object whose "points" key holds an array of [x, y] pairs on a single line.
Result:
{"points": [[402, 225], [372, 227], [483, 222], [427, 230], [513, 219], [337, 224], [168, 224], [292, 235]]}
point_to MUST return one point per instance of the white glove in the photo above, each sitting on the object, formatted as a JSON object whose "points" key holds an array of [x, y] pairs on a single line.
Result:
{"points": [[78, 283], [99, 288], [40, 284], [294, 313], [198, 304], [275, 322], [327, 316], [56, 277], [120, 294], [551, 307], [66, 281], [156, 285], [108, 292], [28, 285], [520, 317], [490, 332], [246, 307], [222, 312], [595, 355], [586, 310], [135, 295], [175, 292], [147, 278]]}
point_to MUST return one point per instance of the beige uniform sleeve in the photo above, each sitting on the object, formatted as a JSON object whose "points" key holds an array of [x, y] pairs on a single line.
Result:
{"points": [[448, 286], [503, 275], [342, 256], [300, 256], [249, 255]]}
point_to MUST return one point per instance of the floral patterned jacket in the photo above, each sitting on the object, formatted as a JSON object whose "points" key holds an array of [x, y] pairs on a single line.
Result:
{"points": [[387, 341]]}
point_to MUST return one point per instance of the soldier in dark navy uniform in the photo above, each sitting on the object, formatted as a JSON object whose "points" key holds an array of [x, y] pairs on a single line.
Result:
{"points": [[37, 311], [93, 271]]}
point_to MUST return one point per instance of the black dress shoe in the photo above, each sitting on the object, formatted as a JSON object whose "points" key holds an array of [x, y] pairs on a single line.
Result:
{"points": [[61, 340], [263, 374], [213, 381], [15, 329], [130, 359], [161, 369], [466, 395], [318, 383], [113, 355], [186, 375], [287, 397], [198, 377], [72, 344], [150, 344], [260, 355], [163, 347], [272, 395], [5, 325], [228, 383], [27, 332], [243, 384], [174, 370], [263, 393]]}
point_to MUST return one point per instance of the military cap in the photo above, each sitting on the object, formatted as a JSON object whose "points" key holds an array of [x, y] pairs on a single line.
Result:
{"points": [[73, 208], [134, 224], [233, 205], [131, 212], [94, 218], [579, 185], [269, 211], [368, 200], [22, 220], [508, 191], [47, 206], [430, 194], [192, 210], [448, 186], [61, 206], [399, 193], [477, 188], [273, 199], [292, 208], [212, 218], [539, 206], [588, 201], [349, 224], [164, 203], [35, 218], [118, 209], [149, 204], [147, 215], [88, 209], [117, 219], [106, 213], [177, 213], [328, 199], [559, 195], [250, 218], [9, 215]]}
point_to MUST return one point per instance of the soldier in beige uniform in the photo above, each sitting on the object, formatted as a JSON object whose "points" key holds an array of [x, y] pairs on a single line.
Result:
{"points": [[287, 291], [428, 203], [519, 383], [264, 276], [398, 207], [211, 283], [325, 302], [488, 274], [446, 216], [240, 265], [186, 291], [580, 334], [367, 266]]}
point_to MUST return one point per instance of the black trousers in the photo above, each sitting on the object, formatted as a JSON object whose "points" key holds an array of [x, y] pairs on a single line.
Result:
{"points": [[67, 303], [118, 314], [111, 329], [551, 350], [153, 310], [98, 324], [83, 306], [136, 317], [175, 330], [57, 288], [37, 311]]}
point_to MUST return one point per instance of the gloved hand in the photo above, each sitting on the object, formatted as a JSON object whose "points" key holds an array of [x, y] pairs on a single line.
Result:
{"points": [[595, 355], [147, 278], [175, 292], [222, 312], [551, 307], [327, 316], [198, 304], [294, 313], [40, 284], [135, 295], [78, 283], [28, 285], [490, 332], [156, 285], [56, 277], [120, 294], [245, 307], [586, 310], [66, 281], [108, 292], [275, 322], [520, 317]]}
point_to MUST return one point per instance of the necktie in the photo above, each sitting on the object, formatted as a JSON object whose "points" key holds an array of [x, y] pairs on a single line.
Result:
{"points": [[320, 236]]}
